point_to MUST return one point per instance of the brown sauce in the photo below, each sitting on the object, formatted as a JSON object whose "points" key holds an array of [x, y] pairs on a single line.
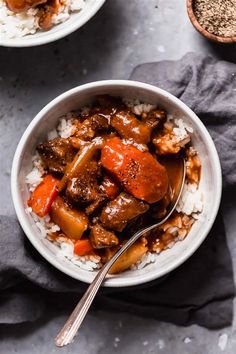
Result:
{"points": [[174, 167]]}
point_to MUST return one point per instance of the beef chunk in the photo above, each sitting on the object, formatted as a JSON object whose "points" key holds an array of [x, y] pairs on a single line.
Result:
{"points": [[81, 191], [154, 118], [110, 187], [92, 126], [121, 210], [129, 127], [56, 154], [102, 238], [84, 190], [96, 204], [99, 122]]}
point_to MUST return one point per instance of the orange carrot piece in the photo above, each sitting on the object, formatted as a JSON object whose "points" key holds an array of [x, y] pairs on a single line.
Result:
{"points": [[44, 194], [138, 172], [82, 247]]}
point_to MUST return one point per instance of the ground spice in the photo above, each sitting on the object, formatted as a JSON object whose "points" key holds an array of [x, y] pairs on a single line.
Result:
{"points": [[216, 16]]}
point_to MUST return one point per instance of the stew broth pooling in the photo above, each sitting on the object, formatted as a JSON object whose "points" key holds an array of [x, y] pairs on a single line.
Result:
{"points": [[116, 172]]}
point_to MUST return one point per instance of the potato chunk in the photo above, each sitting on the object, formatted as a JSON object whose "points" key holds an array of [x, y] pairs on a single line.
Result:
{"points": [[72, 222], [130, 257], [102, 238]]}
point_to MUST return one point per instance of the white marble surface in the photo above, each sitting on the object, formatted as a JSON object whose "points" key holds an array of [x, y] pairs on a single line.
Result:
{"points": [[122, 35]]}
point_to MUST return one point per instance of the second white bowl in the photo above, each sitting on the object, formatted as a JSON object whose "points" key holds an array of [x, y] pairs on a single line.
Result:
{"points": [[61, 30]]}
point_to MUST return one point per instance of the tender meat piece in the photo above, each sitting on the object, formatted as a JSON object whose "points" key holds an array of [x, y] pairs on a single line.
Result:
{"points": [[110, 188], [102, 238], [81, 162], [81, 191], [121, 210], [56, 154], [92, 126], [106, 106], [154, 118], [169, 144], [99, 122], [84, 190], [23, 5], [96, 204], [46, 13], [129, 127]]}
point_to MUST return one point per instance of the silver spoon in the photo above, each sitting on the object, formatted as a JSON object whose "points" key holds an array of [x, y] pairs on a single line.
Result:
{"points": [[68, 332]]}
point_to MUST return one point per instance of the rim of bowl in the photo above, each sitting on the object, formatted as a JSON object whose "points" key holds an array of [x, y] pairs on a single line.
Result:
{"points": [[52, 37], [203, 31], [113, 281]]}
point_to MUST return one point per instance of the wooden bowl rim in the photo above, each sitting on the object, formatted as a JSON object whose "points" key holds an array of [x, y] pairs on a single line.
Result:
{"points": [[204, 32]]}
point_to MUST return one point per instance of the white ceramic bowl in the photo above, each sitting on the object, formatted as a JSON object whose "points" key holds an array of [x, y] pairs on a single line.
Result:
{"points": [[61, 30], [210, 184]]}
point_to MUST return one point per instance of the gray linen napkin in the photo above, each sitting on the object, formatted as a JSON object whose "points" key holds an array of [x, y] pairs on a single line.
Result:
{"points": [[201, 290]]}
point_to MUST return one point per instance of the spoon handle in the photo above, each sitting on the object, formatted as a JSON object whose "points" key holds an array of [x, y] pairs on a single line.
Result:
{"points": [[67, 333]]}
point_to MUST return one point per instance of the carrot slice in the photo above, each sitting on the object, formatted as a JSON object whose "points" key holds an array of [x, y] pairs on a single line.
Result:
{"points": [[44, 194], [82, 247], [137, 171]]}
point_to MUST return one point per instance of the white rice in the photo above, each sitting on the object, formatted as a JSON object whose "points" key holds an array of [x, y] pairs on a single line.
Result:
{"points": [[65, 126], [190, 203], [182, 130], [35, 176], [138, 107], [146, 259], [16, 25], [141, 147], [89, 263]]}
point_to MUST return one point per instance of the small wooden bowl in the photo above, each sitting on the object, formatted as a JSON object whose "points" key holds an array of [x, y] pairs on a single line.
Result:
{"points": [[200, 29]]}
